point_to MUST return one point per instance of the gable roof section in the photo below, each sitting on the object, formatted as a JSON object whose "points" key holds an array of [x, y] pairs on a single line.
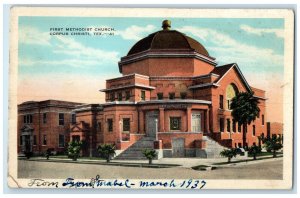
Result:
{"points": [[79, 127], [224, 69], [26, 128]]}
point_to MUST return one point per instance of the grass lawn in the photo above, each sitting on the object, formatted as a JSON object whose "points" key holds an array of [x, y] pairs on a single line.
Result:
{"points": [[265, 154], [66, 157], [246, 160]]}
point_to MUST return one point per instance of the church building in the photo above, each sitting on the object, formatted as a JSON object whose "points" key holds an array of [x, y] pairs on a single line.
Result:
{"points": [[171, 96]]}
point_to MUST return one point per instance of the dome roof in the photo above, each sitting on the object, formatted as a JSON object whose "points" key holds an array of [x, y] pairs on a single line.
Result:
{"points": [[167, 39]]}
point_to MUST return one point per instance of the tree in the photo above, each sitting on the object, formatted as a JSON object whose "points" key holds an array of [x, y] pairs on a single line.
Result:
{"points": [[244, 109], [107, 151], [48, 153], [229, 153], [150, 154], [273, 144], [254, 150], [28, 154], [74, 148]]}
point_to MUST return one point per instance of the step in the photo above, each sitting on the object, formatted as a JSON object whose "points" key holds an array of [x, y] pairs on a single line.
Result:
{"points": [[135, 151], [213, 148]]}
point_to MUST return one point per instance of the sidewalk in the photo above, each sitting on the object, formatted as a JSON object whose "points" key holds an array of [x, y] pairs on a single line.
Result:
{"points": [[182, 162]]}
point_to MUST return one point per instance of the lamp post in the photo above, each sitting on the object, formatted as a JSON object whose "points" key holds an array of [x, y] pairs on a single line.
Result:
{"points": [[156, 129], [120, 128]]}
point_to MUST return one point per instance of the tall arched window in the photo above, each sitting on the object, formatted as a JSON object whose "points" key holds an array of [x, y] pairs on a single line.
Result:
{"points": [[231, 92]]}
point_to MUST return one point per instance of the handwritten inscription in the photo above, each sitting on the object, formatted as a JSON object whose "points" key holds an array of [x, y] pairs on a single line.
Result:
{"points": [[42, 183], [97, 182]]}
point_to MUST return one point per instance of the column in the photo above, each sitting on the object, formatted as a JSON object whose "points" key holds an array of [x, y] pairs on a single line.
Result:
{"points": [[206, 115], [141, 122], [156, 129], [188, 119], [161, 119], [120, 129]]}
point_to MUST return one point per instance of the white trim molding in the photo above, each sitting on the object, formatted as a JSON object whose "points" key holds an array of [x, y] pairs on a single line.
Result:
{"points": [[203, 85]]}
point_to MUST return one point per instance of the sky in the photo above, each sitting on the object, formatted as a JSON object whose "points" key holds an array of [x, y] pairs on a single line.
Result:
{"points": [[74, 68]]}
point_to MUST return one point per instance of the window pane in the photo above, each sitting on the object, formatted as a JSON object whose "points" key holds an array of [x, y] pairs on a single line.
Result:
{"points": [[119, 96], [61, 141], [126, 124], [233, 125], [110, 125], [61, 120], [228, 125], [175, 123], [112, 97], [221, 102], [143, 95], [160, 96], [45, 140], [183, 95], [171, 96], [127, 95], [73, 118], [222, 124], [44, 118]]}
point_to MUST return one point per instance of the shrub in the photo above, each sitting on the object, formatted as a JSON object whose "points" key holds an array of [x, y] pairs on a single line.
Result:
{"points": [[107, 151], [229, 153], [28, 154], [273, 144], [254, 150], [48, 153], [150, 154], [74, 149]]}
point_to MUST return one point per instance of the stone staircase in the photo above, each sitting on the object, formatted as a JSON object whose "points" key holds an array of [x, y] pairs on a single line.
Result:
{"points": [[213, 148], [134, 152]]}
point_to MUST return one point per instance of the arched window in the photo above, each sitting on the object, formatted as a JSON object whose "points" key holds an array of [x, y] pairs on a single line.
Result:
{"points": [[231, 92]]}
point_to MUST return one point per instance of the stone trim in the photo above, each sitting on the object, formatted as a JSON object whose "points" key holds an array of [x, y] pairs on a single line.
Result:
{"points": [[128, 86], [148, 54], [206, 76], [170, 78], [174, 101], [129, 76], [179, 132], [203, 85]]}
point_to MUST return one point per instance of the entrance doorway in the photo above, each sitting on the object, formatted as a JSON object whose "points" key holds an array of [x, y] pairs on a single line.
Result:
{"points": [[196, 122], [28, 144], [75, 138], [151, 127], [178, 147]]}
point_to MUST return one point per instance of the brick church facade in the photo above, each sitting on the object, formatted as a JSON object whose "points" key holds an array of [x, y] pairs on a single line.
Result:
{"points": [[171, 90], [171, 96]]}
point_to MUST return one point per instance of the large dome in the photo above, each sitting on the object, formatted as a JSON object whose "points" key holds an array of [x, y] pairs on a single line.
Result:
{"points": [[167, 39]]}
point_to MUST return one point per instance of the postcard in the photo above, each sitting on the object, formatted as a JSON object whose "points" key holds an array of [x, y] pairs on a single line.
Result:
{"points": [[142, 98]]}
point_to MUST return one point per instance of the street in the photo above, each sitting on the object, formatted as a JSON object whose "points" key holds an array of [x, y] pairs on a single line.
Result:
{"points": [[38, 169]]}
